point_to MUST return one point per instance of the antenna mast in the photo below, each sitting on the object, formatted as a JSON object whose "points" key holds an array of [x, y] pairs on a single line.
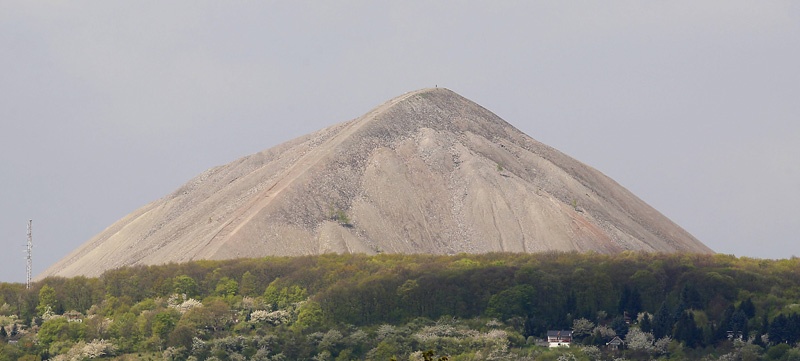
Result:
{"points": [[30, 250]]}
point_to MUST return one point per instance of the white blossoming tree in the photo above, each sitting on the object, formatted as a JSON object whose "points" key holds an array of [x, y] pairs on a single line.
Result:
{"points": [[639, 340]]}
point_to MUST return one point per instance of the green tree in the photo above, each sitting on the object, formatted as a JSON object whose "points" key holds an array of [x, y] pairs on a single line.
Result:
{"points": [[283, 297], [124, 332], [213, 316], [513, 302], [185, 285], [182, 336], [778, 351], [164, 322], [247, 287], [111, 306], [388, 349], [47, 300], [309, 316], [80, 293], [227, 287], [9, 352], [30, 358], [58, 329]]}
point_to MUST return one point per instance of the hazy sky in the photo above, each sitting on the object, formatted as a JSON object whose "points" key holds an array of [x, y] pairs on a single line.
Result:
{"points": [[105, 106]]}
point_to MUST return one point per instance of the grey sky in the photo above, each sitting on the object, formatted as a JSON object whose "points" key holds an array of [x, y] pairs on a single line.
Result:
{"points": [[106, 106]]}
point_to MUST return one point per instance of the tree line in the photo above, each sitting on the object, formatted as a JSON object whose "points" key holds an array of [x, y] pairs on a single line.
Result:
{"points": [[700, 302]]}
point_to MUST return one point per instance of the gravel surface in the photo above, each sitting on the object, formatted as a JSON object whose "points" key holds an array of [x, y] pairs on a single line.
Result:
{"points": [[426, 172]]}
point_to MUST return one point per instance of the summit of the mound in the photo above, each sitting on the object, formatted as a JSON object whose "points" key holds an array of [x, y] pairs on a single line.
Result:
{"points": [[426, 172]]}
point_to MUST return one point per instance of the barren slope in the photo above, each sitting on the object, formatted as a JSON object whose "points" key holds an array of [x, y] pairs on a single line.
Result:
{"points": [[426, 172]]}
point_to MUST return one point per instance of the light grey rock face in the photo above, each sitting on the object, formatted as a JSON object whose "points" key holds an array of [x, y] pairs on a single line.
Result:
{"points": [[426, 172]]}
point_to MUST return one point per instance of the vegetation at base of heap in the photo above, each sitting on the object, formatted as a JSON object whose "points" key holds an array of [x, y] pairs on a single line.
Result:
{"points": [[413, 307]]}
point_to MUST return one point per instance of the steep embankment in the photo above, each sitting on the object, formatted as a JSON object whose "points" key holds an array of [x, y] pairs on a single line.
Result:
{"points": [[426, 172]]}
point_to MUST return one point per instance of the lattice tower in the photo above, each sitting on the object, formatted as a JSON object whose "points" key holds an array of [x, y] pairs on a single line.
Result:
{"points": [[29, 258]]}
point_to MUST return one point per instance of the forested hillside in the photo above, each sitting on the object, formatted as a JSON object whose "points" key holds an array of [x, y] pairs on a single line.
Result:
{"points": [[463, 307]]}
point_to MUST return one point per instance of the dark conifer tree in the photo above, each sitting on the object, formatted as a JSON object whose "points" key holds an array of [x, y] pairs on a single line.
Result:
{"points": [[748, 308], [630, 301], [623, 299], [764, 326], [646, 325], [785, 329], [619, 326], [745, 331], [779, 330], [793, 327], [691, 297], [635, 304], [709, 332], [571, 305], [686, 330], [758, 341], [662, 322], [738, 324], [724, 324], [679, 311]]}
